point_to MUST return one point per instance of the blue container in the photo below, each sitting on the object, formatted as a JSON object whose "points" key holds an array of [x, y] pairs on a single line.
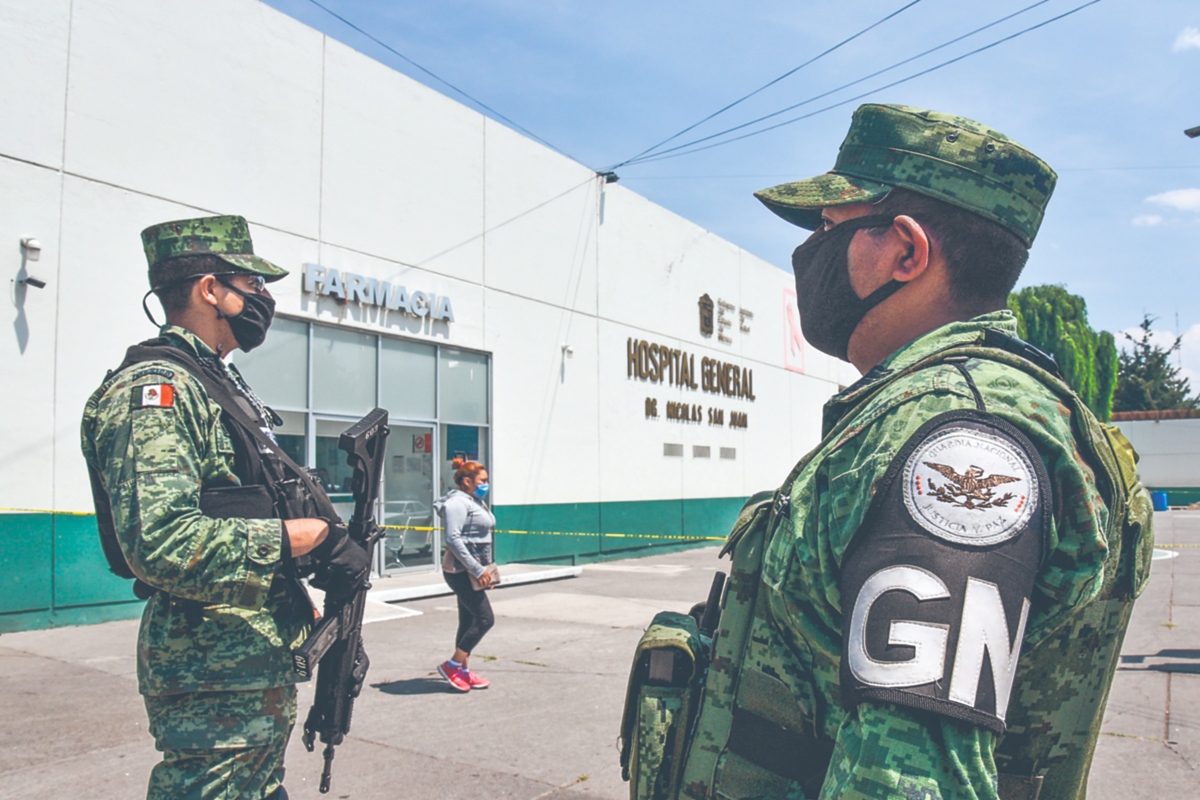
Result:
{"points": [[1160, 500]]}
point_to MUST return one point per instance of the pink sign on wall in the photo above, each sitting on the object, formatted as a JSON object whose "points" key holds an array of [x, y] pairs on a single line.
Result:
{"points": [[793, 339]]}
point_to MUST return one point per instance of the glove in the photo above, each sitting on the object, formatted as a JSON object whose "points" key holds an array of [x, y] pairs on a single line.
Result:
{"points": [[342, 564]]}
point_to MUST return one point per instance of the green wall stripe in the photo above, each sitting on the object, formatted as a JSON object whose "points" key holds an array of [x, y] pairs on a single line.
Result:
{"points": [[53, 571]]}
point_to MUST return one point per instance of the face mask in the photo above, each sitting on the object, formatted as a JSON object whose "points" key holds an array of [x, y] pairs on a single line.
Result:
{"points": [[829, 308], [481, 490], [250, 327]]}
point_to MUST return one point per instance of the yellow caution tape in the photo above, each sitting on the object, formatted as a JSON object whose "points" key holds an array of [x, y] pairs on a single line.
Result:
{"points": [[47, 511], [429, 529], [571, 533]]}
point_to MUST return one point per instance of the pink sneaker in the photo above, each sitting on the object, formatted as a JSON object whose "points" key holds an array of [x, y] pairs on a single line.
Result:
{"points": [[455, 676], [477, 681]]}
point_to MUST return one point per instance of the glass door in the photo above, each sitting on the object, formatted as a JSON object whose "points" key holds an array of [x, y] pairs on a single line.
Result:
{"points": [[330, 467], [409, 539]]}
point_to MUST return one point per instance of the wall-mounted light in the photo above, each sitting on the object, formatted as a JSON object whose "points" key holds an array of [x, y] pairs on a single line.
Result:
{"points": [[568, 351], [32, 248]]}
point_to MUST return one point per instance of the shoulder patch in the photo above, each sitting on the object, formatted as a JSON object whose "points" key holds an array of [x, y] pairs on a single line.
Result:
{"points": [[938, 581], [155, 395], [162, 372], [970, 485]]}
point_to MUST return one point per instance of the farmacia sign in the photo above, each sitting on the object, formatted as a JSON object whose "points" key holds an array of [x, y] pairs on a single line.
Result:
{"points": [[350, 286]]}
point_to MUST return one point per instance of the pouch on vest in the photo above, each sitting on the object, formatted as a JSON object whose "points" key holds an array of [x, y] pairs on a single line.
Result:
{"points": [[232, 502], [660, 703]]}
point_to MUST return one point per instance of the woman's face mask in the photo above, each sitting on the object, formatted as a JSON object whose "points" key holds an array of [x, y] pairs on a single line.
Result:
{"points": [[481, 490], [830, 309]]}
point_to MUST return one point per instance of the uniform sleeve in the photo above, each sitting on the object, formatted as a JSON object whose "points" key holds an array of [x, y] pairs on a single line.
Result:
{"points": [[937, 572], [884, 750], [162, 438], [456, 517]]}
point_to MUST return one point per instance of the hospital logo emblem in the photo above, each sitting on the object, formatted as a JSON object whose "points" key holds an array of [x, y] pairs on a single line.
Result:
{"points": [[970, 487]]}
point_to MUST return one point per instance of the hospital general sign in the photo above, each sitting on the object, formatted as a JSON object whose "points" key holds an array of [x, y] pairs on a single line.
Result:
{"points": [[352, 287]]}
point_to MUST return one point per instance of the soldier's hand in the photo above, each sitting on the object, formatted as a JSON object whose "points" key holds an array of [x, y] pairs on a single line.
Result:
{"points": [[342, 563], [305, 534]]}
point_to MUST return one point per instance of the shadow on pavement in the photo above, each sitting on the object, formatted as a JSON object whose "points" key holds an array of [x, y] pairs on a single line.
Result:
{"points": [[1169, 666], [414, 686]]}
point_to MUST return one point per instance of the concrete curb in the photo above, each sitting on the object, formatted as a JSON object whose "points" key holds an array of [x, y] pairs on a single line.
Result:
{"points": [[440, 589]]}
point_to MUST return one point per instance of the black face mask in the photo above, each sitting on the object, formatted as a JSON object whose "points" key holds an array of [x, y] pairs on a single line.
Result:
{"points": [[830, 309], [250, 327]]}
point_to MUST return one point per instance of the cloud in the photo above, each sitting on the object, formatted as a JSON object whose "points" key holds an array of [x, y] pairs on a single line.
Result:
{"points": [[1147, 220], [1187, 39], [1178, 199]]}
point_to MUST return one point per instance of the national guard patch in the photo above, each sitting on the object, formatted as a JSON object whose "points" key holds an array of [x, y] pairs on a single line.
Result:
{"points": [[970, 486], [157, 395], [937, 584]]}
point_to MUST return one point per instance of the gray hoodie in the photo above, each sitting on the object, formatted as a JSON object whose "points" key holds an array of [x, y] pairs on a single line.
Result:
{"points": [[467, 525]]}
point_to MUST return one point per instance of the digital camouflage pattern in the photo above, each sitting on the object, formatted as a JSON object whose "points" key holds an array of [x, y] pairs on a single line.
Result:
{"points": [[219, 745], [779, 646], [226, 237], [153, 462], [944, 156], [654, 728]]}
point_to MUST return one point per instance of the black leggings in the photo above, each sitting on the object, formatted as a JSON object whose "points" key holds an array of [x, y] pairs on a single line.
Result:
{"points": [[475, 616]]}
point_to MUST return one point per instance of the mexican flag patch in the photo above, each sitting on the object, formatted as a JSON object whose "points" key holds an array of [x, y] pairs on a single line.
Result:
{"points": [[158, 395]]}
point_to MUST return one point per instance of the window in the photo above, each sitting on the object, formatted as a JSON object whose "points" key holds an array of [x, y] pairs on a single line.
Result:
{"points": [[321, 378]]}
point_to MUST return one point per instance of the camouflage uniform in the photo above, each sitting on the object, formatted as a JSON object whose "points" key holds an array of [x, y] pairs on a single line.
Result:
{"points": [[214, 646], [780, 660]]}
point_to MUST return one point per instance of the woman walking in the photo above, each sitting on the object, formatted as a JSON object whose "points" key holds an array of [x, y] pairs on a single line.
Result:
{"points": [[468, 525]]}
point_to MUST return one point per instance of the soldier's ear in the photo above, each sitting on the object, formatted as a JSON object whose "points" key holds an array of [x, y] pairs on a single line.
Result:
{"points": [[205, 291], [915, 249]]}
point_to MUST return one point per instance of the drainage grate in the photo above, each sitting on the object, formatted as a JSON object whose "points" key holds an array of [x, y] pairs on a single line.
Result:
{"points": [[701, 451], [729, 452], [672, 450]]}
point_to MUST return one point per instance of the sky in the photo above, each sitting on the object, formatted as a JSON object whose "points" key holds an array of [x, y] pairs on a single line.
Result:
{"points": [[1103, 95]]}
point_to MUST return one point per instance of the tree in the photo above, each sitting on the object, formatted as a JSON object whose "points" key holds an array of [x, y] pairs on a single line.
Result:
{"points": [[1147, 381], [1055, 321]]}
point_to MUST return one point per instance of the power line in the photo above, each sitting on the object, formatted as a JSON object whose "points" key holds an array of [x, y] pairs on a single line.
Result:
{"points": [[814, 98], [440, 79], [766, 85], [664, 156]]}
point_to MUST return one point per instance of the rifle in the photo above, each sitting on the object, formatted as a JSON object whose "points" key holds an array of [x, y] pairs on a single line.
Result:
{"points": [[336, 643]]}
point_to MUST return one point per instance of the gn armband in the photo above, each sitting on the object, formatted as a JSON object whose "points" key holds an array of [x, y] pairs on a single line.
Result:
{"points": [[937, 584]]}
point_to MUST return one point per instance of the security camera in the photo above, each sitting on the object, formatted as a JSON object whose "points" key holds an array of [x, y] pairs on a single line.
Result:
{"points": [[32, 248], [32, 281]]}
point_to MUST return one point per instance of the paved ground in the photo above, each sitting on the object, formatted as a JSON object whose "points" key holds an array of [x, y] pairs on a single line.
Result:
{"points": [[74, 725]]}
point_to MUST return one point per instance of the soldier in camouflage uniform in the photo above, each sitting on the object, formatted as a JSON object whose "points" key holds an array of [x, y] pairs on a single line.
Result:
{"points": [[214, 662], [933, 604]]}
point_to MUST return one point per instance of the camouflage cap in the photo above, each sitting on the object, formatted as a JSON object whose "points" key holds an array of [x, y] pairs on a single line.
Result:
{"points": [[946, 157], [227, 238]]}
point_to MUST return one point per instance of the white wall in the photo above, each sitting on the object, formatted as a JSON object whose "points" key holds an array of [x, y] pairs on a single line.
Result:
{"points": [[1169, 450], [117, 114]]}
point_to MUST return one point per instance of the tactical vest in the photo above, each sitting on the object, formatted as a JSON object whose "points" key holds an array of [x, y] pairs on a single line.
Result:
{"points": [[730, 730], [272, 484]]}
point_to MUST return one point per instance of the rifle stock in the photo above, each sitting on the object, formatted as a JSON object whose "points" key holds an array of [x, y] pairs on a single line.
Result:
{"points": [[336, 643]]}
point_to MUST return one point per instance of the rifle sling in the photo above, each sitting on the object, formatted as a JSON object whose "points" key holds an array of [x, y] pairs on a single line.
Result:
{"points": [[218, 388]]}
